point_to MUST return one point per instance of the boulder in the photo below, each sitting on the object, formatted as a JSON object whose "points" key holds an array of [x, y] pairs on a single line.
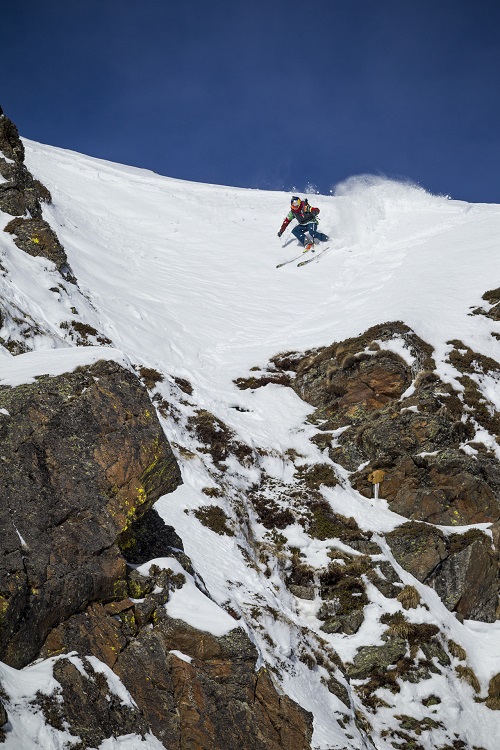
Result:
{"points": [[370, 658], [462, 568], [83, 456]]}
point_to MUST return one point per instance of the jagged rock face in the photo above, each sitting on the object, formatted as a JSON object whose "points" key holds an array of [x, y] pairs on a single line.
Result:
{"points": [[414, 442], [82, 456], [463, 568], [216, 700], [22, 194], [193, 689], [85, 705], [413, 448], [10, 143], [447, 489]]}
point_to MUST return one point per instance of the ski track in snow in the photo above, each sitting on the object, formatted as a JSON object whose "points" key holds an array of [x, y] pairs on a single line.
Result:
{"points": [[182, 277]]}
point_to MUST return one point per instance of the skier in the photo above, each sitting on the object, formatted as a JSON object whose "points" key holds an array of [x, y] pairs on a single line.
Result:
{"points": [[306, 215]]}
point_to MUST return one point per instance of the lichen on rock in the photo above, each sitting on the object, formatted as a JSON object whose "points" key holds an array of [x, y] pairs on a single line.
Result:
{"points": [[82, 457]]}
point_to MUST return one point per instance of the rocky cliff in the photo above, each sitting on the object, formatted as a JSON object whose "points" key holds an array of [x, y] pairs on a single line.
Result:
{"points": [[83, 461]]}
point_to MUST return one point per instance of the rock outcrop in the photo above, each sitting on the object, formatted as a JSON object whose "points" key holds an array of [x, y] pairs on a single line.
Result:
{"points": [[401, 429], [462, 568], [83, 456], [83, 460], [22, 196], [413, 435], [193, 689]]}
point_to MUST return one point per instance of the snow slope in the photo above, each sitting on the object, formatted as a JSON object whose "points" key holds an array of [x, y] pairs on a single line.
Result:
{"points": [[181, 277]]}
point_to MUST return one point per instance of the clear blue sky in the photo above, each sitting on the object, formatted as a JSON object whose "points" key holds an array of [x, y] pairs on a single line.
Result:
{"points": [[271, 94]]}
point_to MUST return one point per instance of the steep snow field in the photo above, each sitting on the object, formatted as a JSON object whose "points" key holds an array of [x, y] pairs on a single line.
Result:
{"points": [[182, 277]]}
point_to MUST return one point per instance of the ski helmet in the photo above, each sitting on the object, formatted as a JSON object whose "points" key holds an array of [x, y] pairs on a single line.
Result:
{"points": [[295, 202]]}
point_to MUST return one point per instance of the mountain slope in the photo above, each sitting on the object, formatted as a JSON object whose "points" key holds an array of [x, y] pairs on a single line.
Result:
{"points": [[181, 278]]}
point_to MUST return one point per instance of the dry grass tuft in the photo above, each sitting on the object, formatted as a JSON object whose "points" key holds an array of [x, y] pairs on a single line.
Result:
{"points": [[409, 598]]}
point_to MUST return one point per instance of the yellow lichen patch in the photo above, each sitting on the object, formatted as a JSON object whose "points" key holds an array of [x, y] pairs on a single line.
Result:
{"points": [[4, 605]]}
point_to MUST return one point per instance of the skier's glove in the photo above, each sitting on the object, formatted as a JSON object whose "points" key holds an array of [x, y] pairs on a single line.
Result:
{"points": [[315, 211], [280, 233]]}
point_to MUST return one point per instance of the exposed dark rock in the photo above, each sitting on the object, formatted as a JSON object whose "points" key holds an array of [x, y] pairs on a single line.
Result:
{"points": [[449, 488], [462, 568], [433, 650], [12, 200], [354, 378], [344, 597], [355, 383], [493, 297], [96, 631], [10, 143], [36, 238], [217, 700], [84, 458], [411, 449], [300, 579], [211, 697], [467, 581], [370, 658], [83, 455], [22, 194], [302, 592]]}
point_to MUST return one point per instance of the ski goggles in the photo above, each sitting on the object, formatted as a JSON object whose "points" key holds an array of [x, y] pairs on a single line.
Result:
{"points": [[296, 203]]}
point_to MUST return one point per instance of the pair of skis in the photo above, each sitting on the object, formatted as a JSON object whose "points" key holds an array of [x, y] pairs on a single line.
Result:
{"points": [[304, 262]]}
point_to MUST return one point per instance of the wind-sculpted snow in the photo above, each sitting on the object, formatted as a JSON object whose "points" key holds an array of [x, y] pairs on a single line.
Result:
{"points": [[181, 278]]}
